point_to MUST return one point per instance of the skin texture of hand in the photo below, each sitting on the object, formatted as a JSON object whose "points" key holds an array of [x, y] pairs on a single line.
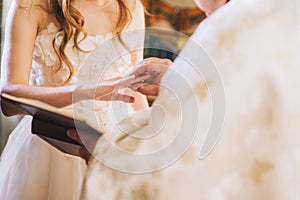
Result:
{"points": [[149, 73], [106, 90]]}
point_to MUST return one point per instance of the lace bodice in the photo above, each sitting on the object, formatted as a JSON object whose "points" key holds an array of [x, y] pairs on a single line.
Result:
{"points": [[45, 61], [111, 59]]}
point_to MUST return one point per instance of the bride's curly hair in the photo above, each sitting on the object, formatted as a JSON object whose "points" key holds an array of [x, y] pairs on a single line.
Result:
{"points": [[72, 22]]}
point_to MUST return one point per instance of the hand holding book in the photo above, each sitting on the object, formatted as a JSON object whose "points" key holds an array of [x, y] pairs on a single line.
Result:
{"points": [[49, 122], [87, 140]]}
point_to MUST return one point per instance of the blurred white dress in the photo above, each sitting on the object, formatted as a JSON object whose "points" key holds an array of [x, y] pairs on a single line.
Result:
{"points": [[32, 169], [255, 46]]}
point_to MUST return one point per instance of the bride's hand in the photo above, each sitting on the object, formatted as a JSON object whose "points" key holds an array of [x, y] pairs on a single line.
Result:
{"points": [[106, 90]]}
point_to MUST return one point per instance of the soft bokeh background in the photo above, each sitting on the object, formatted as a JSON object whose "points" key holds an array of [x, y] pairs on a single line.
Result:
{"points": [[6, 124]]}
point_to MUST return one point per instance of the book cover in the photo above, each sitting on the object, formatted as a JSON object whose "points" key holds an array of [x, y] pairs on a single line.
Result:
{"points": [[49, 122]]}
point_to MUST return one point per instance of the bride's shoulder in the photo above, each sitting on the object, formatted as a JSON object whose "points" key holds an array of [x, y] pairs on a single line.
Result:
{"points": [[32, 4], [32, 8], [36, 10]]}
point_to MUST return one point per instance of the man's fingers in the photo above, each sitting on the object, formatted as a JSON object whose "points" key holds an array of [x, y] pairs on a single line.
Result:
{"points": [[136, 86], [150, 64], [149, 89], [155, 59], [141, 79], [72, 133], [89, 142]]}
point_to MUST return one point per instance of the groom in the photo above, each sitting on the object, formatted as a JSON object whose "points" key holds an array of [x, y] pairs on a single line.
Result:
{"points": [[254, 46]]}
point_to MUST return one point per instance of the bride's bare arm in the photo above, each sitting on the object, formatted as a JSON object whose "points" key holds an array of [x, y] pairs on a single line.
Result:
{"points": [[21, 29]]}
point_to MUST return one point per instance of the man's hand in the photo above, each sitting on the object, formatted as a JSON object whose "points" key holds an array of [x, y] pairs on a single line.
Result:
{"points": [[87, 139], [149, 73]]}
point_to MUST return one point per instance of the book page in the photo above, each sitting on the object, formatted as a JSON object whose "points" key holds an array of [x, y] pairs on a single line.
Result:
{"points": [[39, 104]]}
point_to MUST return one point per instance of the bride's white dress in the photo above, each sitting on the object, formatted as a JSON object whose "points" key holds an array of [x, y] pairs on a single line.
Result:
{"points": [[32, 169]]}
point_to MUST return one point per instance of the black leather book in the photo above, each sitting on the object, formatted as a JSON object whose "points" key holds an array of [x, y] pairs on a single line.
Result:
{"points": [[49, 122]]}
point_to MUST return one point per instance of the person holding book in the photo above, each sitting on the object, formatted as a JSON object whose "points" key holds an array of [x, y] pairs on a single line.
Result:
{"points": [[45, 45], [254, 45]]}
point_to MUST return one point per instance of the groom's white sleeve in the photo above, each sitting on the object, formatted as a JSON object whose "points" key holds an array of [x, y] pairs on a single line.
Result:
{"points": [[135, 121]]}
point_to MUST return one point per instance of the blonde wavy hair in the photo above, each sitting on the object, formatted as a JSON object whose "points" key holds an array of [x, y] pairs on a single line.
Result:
{"points": [[72, 25]]}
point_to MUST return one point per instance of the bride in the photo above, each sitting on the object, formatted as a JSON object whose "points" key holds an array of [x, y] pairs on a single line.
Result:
{"points": [[45, 44]]}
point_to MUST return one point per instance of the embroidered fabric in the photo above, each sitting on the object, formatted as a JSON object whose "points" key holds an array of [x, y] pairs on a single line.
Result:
{"points": [[44, 70]]}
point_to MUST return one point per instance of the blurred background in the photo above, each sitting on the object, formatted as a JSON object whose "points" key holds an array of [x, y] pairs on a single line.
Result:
{"points": [[177, 18], [6, 124]]}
